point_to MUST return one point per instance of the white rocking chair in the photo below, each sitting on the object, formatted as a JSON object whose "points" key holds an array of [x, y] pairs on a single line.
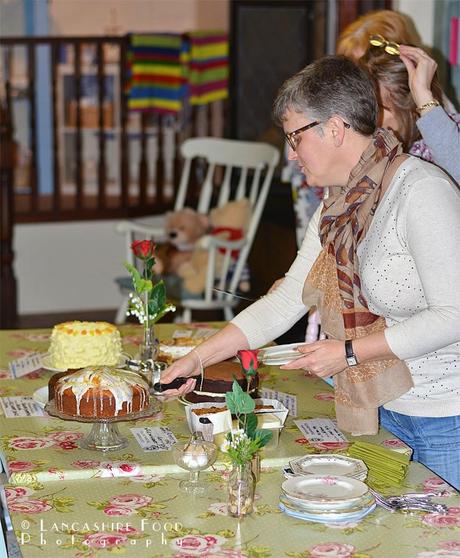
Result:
{"points": [[255, 163]]}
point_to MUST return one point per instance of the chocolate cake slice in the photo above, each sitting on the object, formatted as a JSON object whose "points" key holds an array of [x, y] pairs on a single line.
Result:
{"points": [[218, 379]]}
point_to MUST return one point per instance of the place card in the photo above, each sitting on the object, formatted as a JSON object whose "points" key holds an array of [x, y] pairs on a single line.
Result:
{"points": [[155, 438], [197, 333], [320, 430], [21, 406], [25, 365], [288, 400], [181, 333]]}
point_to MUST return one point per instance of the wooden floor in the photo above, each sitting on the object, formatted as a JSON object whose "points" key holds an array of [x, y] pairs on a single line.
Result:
{"points": [[32, 321]]}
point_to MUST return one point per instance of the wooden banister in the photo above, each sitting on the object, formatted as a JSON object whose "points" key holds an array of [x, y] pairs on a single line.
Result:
{"points": [[106, 162], [8, 296]]}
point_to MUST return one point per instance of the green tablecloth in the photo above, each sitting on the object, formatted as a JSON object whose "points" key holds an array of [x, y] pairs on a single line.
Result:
{"points": [[64, 501]]}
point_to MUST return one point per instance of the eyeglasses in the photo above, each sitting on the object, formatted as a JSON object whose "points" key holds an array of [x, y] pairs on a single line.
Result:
{"points": [[389, 46], [291, 137], [293, 140]]}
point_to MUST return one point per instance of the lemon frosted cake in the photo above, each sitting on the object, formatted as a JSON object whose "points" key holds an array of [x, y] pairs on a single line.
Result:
{"points": [[101, 392], [79, 344]]}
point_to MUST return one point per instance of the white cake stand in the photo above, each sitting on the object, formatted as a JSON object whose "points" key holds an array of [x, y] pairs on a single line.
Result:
{"points": [[104, 435]]}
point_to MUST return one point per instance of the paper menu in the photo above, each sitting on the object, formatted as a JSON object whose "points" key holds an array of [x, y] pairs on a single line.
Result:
{"points": [[196, 333], [25, 365], [320, 430], [21, 406], [157, 438], [288, 400]]}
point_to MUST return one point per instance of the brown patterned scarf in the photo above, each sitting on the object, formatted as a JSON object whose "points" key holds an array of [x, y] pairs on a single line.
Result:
{"points": [[334, 286]]}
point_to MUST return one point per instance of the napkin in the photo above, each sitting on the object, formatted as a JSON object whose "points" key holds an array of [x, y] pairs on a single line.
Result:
{"points": [[385, 465]]}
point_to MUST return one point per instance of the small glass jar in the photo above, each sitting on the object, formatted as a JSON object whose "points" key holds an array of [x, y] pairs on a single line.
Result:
{"points": [[241, 486], [148, 349]]}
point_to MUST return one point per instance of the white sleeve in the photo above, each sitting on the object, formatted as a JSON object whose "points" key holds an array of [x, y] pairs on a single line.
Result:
{"points": [[432, 234], [278, 311]]}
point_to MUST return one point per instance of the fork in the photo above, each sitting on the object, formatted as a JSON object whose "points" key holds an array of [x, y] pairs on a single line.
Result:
{"points": [[406, 502]]}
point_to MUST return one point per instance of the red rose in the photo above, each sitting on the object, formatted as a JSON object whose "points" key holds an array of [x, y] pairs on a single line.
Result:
{"points": [[249, 361], [143, 249]]}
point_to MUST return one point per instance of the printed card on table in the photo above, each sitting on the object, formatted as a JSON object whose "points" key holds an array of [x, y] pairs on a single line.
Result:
{"points": [[320, 430], [25, 365], [197, 333], [288, 400], [20, 406], [156, 438]]}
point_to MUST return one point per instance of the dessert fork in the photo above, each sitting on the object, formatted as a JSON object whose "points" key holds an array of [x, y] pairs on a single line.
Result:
{"points": [[408, 502]]}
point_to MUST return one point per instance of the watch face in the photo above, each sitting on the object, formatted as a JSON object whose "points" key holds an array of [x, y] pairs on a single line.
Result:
{"points": [[351, 360]]}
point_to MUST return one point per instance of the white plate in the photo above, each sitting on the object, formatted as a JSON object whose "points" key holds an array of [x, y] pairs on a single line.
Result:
{"points": [[46, 363], [325, 519], [355, 506], [40, 395], [279, 354], [328, 464], [324, 488], [280, 361], [328, 507]]}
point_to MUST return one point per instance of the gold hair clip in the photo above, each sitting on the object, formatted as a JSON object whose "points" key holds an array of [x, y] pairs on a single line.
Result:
{"points": [[389, 46]]}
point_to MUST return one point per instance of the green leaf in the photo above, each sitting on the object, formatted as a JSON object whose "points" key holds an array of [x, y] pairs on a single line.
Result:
{"points": [[263, 437], [149, 263], [231, 402], [157, 298], [168, 308], [251, 425], [242, 402], [140, 285]]}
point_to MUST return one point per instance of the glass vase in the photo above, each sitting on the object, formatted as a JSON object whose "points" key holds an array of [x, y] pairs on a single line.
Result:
{"points": [[241, 485], [148, 349]]}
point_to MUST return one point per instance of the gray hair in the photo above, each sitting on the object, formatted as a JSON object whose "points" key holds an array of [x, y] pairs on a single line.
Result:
{"points": [[330, 86]]}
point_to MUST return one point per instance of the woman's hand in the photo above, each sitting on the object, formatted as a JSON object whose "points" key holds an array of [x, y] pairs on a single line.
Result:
{"points": [[185, 367], [421, 69], [322, 358]]}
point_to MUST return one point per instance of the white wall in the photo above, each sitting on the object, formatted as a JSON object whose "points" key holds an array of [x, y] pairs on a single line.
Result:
{"points": [[422, 12], [68, 266], [96, 17]]}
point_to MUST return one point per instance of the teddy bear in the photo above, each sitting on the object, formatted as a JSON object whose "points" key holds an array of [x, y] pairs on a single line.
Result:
{"points": [[228, 222], [183, 229]]}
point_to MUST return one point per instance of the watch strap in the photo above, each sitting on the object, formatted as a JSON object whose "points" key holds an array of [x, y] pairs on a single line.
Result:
{"points": [[350, 354]]}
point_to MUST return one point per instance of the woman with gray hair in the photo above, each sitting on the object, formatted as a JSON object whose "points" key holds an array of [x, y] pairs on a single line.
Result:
{"points": [[383, 272]]}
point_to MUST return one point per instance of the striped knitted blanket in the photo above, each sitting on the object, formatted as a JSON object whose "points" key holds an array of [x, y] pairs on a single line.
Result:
{"points": [[168, 70], [208, 75], [158, 72]]}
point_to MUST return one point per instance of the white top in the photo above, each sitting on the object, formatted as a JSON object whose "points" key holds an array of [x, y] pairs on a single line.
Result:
{"points": [[410, 273]]}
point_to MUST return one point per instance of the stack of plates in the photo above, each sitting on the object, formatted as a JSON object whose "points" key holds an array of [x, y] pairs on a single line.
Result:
{"points": [[279, 354], [326, 498], [329, 464]]}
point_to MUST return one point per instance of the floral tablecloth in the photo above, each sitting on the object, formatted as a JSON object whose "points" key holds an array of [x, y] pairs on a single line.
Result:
{"points": [[147, 516], [129, 502]]}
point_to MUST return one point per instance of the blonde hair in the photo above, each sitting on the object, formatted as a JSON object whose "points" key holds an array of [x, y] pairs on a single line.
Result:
{"points": [[394, 26], [389, 70]]}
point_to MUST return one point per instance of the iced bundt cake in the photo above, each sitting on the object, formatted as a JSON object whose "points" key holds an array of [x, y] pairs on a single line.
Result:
{"points": [[101, 392]]}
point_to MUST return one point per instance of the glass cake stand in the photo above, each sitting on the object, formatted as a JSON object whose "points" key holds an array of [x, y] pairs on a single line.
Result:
{"points": [[104, 435]]}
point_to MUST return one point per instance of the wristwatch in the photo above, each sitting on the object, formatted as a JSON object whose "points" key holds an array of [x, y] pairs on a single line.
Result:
{"points": [[349, 353]]}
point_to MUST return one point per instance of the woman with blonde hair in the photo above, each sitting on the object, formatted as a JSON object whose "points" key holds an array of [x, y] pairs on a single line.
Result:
{"points": [[394, 26], [411, 103]]}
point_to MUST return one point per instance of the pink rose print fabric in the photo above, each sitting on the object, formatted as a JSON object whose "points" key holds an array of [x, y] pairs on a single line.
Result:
{"points": [[332, 550], [198, 545]]}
